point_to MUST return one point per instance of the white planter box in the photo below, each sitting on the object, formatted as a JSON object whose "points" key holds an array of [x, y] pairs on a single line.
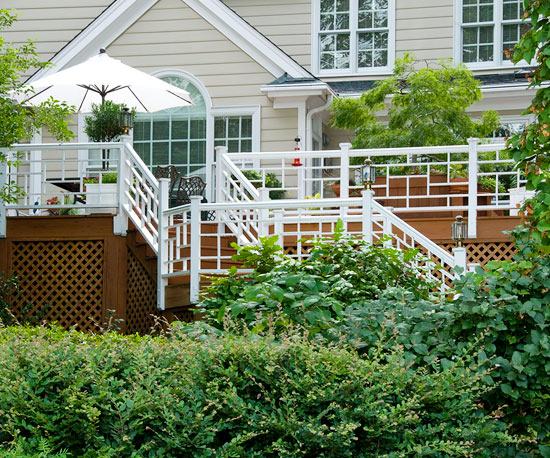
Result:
{"points": [[517, 197], [105, 194]]}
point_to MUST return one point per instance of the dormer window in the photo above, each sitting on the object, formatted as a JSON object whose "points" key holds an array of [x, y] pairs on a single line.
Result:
{"points": [[355, 36]]}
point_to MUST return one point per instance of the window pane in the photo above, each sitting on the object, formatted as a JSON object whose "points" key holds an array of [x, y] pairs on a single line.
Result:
{"points": [[328, 43], [342, 5], [469, 36], [144, 151], [161, 130], [327, 61], [381, 40], [219, 128], [342, 21], [364, 59], [485, 53], [180, 129], [342, 42], [365, 20], [197, 128], [381, 4], [512, 9], [246, 146], [233, 146], [469, 14], [246, 126], [197, 152], [485, 13], [469, 54], [179, 153], [327, 22], [160, 153], [341, 60], [233, 128], [380, 19], [365, 41], [142, 130], [485, 35], [380, 58], [327, 5]]}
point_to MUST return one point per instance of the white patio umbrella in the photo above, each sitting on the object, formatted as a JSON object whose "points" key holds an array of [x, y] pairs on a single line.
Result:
{"points": [[103, 78]]}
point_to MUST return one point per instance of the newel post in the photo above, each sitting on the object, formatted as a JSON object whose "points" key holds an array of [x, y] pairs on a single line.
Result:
{"points": [[472, 186], [263, 223], [368, 196], [120, 221], [344, 170], [162, 254], [459, 255], [195, 285], [220, 151]]}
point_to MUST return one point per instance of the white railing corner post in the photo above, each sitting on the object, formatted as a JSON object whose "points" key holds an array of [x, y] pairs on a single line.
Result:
{"points": [[279, 227], [162, 252], [368, 196], [460, 257], [120, 221], [263, 214], [344, 170], [194, 289], [3, 181], [220, 151], [473, 169]]}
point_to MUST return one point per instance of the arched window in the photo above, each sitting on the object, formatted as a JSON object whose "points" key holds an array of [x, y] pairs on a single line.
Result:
{"points": [[176, 136]]}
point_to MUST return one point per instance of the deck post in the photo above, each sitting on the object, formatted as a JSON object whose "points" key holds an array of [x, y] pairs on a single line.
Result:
{"points": [[3, 180], [472, 187], [120, 221], [279, 227], [344, 170], [388, 229], [368, 195], [459, 255], [162, 253], [195, 249], [220, 150], [263, 223]]}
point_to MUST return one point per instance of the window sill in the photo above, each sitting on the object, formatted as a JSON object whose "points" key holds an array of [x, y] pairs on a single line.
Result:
{"points": [[382, 71]]}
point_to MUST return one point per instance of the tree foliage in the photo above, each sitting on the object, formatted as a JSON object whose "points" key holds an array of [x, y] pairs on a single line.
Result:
{"points": [[18, 122], [531, 148], [425, 107], [104, 123]]}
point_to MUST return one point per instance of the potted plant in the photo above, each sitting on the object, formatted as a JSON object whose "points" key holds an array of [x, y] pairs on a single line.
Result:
{"points": [[102, 192], [106, 124]]}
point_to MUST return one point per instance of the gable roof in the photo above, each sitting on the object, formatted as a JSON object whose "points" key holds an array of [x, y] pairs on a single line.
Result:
{"points": [[121, 14]]}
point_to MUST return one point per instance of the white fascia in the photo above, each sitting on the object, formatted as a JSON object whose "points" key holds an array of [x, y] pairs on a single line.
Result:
{"points": [[100, 33], [296, 90]]}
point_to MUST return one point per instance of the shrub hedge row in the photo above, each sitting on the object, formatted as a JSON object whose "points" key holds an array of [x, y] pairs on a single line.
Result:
{"points": [[112, 395]]}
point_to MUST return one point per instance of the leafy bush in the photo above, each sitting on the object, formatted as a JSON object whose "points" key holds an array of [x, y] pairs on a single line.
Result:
{"points": [[121, 396], [271, 181], [282, 292], [504, 310]]}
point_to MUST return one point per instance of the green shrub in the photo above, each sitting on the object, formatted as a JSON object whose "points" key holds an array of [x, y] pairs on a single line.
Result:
{"points": [[115, 396], [271, 181], [282, 292]]}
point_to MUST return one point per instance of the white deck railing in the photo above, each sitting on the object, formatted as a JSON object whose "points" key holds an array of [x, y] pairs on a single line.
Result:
{"points": [[471, 178], [196, 247]]}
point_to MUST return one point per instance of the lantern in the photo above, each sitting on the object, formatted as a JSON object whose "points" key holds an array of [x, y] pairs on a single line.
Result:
{"points": [[459, 231], [368, 174], [126, 120]]}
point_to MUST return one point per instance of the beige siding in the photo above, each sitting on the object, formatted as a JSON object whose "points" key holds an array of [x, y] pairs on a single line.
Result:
{"points": [[172, 36], [287, 23], [50, 23]]}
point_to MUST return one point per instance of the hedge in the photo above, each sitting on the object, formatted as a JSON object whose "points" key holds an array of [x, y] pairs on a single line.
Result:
{"points": [[113, 395]]}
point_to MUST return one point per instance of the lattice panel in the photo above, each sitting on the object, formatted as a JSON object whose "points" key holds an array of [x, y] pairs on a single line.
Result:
{"points": [[141, 298], [60, 281], [483, 252]]}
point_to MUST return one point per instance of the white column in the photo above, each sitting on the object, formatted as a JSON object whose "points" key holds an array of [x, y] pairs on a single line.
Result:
{"points": [[120, 221], [162, 254], [344, 170], [263, 224], [35, 171], [472, 187], [220, 150], [460, 257], [367, 214], [195, 285]]}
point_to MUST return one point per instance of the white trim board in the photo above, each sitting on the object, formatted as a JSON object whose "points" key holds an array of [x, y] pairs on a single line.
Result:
{"points": [[120, 15]]}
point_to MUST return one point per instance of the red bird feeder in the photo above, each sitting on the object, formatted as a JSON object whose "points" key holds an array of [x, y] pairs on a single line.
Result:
{"points": [[297, 162]]}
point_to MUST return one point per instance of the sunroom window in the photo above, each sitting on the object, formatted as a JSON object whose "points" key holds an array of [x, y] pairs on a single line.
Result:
{"points": [[354, 35], [176, 136], [490, 29]]}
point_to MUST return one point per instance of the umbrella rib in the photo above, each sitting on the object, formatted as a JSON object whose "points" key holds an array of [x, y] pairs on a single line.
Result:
{"points": [[178, 96], [83, 99], [35, 95], [137, 98]]}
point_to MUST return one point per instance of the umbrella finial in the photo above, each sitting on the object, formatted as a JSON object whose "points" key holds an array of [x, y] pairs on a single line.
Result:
{"points": [[102, 51]]}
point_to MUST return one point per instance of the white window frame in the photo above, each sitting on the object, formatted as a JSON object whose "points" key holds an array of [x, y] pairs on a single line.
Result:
{"points": [[498, 62], [254, 111], [354, 30]]}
